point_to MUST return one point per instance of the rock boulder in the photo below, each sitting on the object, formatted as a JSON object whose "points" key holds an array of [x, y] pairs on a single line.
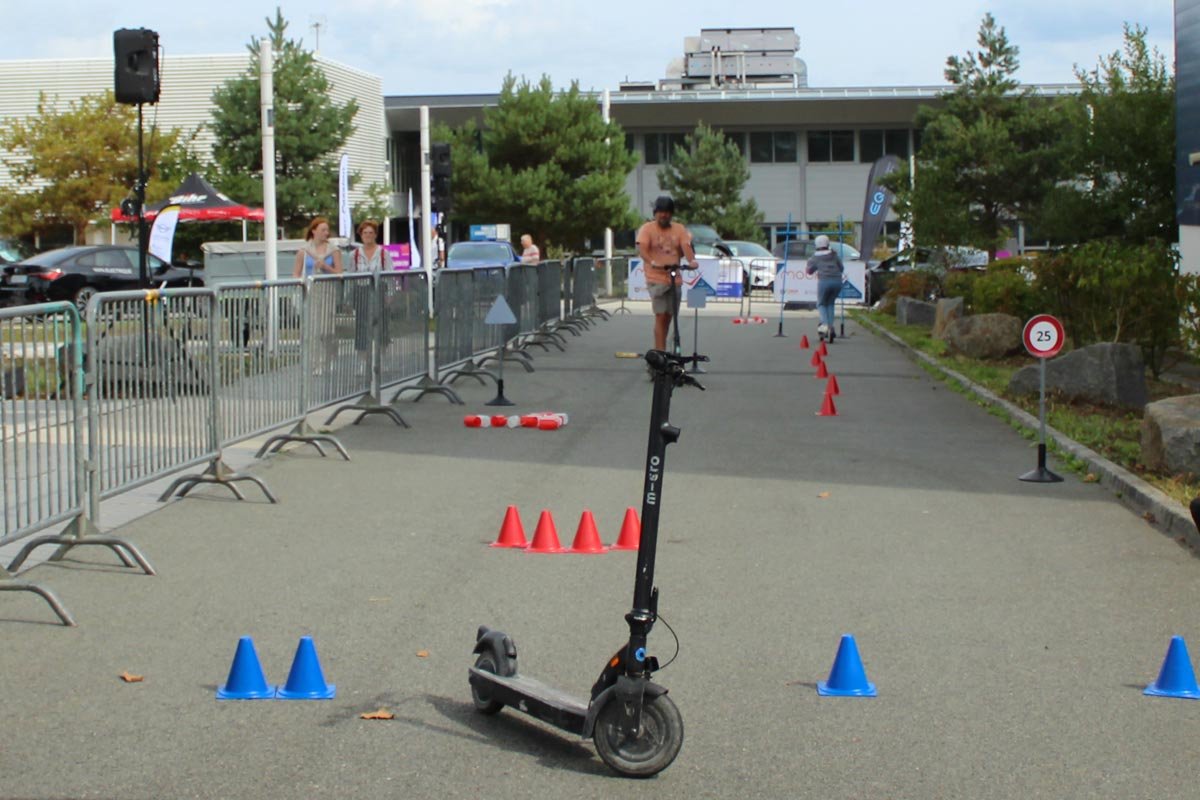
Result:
{"points": [[948, 310], [910, 311], [1171, 435], [1109, 373], [984, 335]]}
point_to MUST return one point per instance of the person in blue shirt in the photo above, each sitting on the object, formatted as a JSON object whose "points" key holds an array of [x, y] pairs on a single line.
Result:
{"points": [[318, 256]]}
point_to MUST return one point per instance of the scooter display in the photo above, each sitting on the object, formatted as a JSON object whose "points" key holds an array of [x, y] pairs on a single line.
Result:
{"points": [[634, 724]]}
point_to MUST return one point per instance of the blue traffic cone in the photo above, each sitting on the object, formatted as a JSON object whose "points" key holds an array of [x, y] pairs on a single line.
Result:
{"points": [[306, 681], [246, 680], [1176, 678], [848, 678]]}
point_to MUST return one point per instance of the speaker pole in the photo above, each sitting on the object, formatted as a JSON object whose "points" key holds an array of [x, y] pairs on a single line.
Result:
{"points": [[143, 275]]}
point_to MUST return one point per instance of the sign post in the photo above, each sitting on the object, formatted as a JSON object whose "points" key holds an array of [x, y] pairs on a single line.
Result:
{"points": [[697, 298], [1043, 338], [779, 334], [500, 314]]}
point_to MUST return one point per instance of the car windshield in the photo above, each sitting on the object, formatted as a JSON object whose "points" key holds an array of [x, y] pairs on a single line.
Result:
{"points": [[480, 251], [748, 250], [9, 252], [703, 233]]}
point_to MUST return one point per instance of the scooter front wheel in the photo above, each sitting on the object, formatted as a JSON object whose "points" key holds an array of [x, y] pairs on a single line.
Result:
{"points": [[652, 750], [482, 697]]}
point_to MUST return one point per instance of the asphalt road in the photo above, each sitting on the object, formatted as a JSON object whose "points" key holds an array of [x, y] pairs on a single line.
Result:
{"points": [[1009, 627]]}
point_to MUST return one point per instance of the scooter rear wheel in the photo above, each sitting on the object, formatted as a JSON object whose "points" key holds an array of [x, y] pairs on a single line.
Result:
{"points": [[482, 697], [652, 750]]}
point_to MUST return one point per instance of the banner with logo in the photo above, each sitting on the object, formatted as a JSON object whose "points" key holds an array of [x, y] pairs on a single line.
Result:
{"points": [[345, 227], [801, 287], [878, 203], [162, 233], [718, 277]]}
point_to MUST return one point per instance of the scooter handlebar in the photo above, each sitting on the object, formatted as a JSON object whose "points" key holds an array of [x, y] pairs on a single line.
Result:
{"points": [[672, 365]]}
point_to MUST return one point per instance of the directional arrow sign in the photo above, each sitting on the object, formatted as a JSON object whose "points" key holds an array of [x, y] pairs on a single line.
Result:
{"points": [[849, 292], [500, 313]]}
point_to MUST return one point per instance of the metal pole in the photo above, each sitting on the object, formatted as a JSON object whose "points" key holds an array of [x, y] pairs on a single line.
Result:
{"points": [[266, 61], [1042, 409], [429, 255], [606, 110], [783, 286], [143, 277]]}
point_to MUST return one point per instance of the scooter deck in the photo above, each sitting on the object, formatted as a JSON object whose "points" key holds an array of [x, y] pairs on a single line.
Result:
{"points": [[535, 698]]}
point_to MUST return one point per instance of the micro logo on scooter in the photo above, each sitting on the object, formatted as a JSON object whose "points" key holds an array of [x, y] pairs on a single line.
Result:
{"points": [[640, 654], [652, 478]]}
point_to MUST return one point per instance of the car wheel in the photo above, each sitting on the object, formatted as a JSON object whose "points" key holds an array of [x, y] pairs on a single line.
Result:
{"points": [[82, 296]]}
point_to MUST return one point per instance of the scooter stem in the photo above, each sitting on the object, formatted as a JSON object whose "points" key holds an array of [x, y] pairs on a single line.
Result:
{"points": [[643, 614]]}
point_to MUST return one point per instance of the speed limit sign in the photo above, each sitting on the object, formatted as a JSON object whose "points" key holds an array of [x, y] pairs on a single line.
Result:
{"points": [[1043, 336]]}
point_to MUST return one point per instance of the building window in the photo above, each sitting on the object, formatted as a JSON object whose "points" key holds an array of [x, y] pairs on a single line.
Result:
{"points": [[773, 147], [629, 143], [830, 146], [874, 144], [661, 146], [738, 138]]}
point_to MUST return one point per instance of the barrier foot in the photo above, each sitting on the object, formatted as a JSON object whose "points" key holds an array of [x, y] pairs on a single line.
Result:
{"points": [[9, 584], [511, 356], [303, 433], [220, 474], [428, 385], [369, 404], [468, 370], [597, 311], [130, 556], [622, 309]]}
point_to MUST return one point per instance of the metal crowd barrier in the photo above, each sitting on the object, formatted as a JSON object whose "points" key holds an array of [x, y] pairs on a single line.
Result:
{"points": [[41, 435], [166, 379]]}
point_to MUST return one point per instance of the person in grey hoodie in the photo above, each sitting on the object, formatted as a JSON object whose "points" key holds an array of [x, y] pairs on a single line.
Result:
{"points": [[828, 268]]}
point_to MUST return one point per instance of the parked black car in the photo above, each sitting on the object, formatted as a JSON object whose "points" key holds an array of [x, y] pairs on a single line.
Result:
{"points": [[77, 273]]}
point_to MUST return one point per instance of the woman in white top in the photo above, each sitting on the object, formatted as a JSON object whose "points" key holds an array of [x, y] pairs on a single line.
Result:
{"points": [[370, 256]]}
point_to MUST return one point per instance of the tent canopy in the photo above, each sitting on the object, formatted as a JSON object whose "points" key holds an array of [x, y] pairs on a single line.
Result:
{"points": [[199, 201]]}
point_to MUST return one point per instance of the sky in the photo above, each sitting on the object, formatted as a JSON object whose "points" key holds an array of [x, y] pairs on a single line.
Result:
{"points": [[462, 46]]}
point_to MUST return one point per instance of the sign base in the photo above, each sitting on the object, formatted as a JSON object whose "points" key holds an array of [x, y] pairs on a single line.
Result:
{"points": [[1042, 474], [500, 399]]}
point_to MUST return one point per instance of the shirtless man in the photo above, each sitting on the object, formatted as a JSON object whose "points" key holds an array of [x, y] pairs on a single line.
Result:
{"points": [[664, 244]]}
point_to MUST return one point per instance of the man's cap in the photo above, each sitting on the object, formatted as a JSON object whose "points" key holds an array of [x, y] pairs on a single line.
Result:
{"points": [[664, 203]]}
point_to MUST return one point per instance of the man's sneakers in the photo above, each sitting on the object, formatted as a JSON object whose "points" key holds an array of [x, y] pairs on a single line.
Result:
{"points": [[823, 332]]}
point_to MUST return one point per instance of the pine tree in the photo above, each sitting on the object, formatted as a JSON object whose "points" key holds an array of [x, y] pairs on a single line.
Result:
{"points": [[1124, 151], [706, 179], [545, 162], [310, 129], [990, 154]]}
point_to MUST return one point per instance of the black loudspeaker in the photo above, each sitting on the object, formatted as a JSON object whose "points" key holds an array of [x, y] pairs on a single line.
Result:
{"points": [[136, 78], [441, 196], [439, 160]]}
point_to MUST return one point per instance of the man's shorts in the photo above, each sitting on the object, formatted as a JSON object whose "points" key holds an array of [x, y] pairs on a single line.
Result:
{"points": [[660, 297]]}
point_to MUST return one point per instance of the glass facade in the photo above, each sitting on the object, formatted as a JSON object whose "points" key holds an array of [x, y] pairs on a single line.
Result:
{"points": [[826, 147]]}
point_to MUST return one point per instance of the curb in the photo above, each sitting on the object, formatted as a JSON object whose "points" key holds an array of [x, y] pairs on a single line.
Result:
{"points": [[1169, 516]]}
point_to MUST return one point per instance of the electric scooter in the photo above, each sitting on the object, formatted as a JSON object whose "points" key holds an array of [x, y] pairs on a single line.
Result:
{"points": [[635, 725]]}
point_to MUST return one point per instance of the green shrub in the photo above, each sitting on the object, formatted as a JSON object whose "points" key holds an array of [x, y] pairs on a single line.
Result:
{"points": [[961, 284], [923, 284], [1004, 289], [1108, 291], [1187, 295]]}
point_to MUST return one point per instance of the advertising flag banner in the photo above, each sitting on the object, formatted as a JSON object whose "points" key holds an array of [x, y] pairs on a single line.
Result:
{"points": [[344, 225], [162, 233], [878, 203], [414, 251]]}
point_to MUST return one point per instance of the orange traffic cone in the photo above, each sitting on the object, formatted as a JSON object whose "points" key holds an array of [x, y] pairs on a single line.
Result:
{"points": [[816, 359], [831, 387], [822, 371], [828, 409], [804, 342], [823, 350], [631, 532], [737, 320], [545, 538], [587, 538], [512, 532]]}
